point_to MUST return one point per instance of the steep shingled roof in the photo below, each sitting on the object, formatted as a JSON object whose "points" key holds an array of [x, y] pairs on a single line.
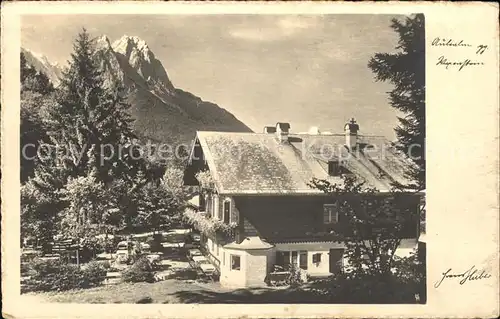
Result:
{"points": [[257, 163]]}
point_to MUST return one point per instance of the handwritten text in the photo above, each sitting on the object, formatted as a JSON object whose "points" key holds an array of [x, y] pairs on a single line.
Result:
{"points": [[470, 274], [442, 60]]}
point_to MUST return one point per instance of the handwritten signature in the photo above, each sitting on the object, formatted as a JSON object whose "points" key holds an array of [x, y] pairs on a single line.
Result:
{"points": [[470, 274], [460, 64]]}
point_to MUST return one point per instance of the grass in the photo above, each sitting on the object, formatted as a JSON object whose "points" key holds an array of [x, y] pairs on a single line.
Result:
{"points": [[159, 292], [181, 291], [169, 291]]}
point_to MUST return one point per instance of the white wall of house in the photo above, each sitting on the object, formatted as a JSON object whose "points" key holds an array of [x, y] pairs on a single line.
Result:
{"points": [[256, 264], [232, 277], [215, 250], [256, 268], [321, 268], [406, 247]]}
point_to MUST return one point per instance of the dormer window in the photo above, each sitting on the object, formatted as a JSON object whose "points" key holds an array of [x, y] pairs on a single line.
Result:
{"points": [[334, 168], [330, 214]]}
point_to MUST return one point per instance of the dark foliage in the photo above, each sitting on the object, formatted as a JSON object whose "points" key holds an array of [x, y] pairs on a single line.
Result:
{"points": [[140, 271], [54, 275], [371, 225], [405, 69], [36, 94]]}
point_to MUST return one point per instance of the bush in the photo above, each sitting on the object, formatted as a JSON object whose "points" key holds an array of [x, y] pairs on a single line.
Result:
{"points": [[54, 275], [95, 272], [140, 271], [291, 276], [295, 277], [104, 263]]}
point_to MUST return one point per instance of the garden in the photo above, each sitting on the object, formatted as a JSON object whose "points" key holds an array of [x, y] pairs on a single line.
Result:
{"points": [[141, 258]]}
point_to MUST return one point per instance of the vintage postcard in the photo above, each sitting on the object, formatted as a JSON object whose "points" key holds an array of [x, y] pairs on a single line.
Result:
{"points": [[250, 160]]}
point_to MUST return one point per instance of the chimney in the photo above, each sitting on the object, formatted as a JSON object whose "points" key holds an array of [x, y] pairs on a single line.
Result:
{"points": [[269, 129], [351, 134], [282, 130]]}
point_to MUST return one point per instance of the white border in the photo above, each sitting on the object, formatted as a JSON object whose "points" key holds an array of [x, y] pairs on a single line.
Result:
{"points": [[462, 203]]}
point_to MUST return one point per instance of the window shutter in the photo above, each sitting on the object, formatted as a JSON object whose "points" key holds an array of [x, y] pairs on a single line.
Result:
{"points": [[286, 258], [303, 260], [202, 202], [219, 209], [227, 211], [333, 168], [209, 206], [280, 259]]}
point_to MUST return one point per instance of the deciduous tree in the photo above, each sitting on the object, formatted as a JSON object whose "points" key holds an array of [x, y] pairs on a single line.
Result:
{"points": [[371, 224]]}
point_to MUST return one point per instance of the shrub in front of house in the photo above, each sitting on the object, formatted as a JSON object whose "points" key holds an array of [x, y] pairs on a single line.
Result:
{"points": [[293, 276], [95, 272], [55, 275], [140, 271]]}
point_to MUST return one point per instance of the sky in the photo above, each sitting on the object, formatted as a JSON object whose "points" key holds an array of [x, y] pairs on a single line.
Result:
{"points": [[308, 70]]}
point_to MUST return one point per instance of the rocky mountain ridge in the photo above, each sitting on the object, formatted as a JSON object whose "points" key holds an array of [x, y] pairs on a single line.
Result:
{"points": [[162, 112]]}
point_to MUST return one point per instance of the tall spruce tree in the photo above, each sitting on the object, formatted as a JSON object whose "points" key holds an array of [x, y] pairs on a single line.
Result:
{"points": [[89, 138], [92, 121], [405, 69]]}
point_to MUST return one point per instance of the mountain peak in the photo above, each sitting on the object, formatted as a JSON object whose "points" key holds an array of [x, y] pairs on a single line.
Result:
{"points": [[102, 42], [127, 43], [135, 52], [41, 63]]}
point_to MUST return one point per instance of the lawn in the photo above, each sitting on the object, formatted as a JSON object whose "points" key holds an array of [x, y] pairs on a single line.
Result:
{"points": [[173, 291]]}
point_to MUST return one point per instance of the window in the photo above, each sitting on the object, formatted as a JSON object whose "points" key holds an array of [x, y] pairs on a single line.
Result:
{"points": [[294, 258], [217, 250], [213, 245], [303, 260], [280, 258], [223, 258], [209, 205], [317, 258], [235, 262], [227, 211], [288, 258], [330, 214], [333, 168], [203, 204]]}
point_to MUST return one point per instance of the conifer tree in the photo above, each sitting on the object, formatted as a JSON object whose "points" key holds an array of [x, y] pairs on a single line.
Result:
{"points": [[33, 80], [36, 94], [405, 69], [90, 120], [41, 202]]}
